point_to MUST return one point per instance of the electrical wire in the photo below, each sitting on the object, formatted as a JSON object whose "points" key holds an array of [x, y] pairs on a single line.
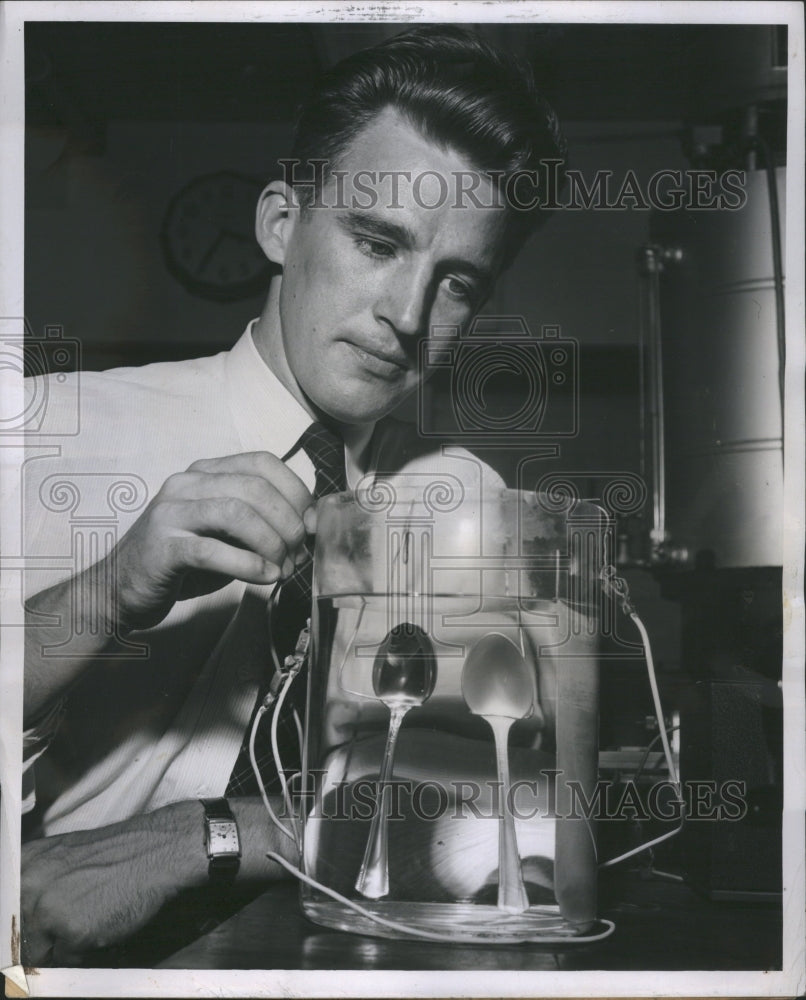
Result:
{"points": [[274, 600], [261, 787], [655, 739], [647, 844], [619, 587], [267, 704], [667, 875], [653, 684], [432, 935], [300, 734], [275, 749]]}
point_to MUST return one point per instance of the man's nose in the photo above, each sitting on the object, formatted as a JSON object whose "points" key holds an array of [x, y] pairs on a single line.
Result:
{"points": [[404, 301]]}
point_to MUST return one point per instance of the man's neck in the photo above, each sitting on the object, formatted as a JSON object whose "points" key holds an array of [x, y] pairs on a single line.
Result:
{"points": [[267, 334]]}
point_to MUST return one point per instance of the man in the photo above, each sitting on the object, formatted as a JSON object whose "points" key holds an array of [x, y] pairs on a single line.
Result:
{"points": [[436, 126]]}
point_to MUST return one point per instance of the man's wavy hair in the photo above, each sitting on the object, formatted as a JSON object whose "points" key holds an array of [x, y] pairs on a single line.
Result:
{"points": [[457, 90]]}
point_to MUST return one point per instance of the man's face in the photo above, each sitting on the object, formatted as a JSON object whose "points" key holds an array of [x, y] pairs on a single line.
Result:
{"points": [[363, 286]]}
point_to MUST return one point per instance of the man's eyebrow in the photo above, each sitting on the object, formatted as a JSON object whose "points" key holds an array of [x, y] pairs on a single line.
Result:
{"points": [[403, 236], [376, 226]]}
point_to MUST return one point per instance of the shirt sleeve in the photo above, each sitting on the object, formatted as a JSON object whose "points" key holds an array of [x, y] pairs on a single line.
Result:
{"points": [[35, 742]]}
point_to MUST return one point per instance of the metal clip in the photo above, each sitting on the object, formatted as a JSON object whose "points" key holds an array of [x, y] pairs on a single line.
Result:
{"points": [[292, 665], [616, 586], [293, 662]]}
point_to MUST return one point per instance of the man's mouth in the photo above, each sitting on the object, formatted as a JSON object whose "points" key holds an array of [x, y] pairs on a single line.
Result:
{"points": [[381, 363]]}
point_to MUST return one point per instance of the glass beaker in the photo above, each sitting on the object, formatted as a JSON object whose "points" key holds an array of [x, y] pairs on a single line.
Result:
{"points": [[438, 614]]}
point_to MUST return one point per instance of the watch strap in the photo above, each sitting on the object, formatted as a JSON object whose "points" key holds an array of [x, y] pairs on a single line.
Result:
{"points": [[222, 868], [217, 809]]}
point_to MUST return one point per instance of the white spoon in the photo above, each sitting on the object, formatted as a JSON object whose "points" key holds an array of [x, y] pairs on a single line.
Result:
{"points": [[499, 685]]}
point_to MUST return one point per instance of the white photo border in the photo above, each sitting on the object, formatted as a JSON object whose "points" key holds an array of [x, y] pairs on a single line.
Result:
{"points": [[151, 983]]}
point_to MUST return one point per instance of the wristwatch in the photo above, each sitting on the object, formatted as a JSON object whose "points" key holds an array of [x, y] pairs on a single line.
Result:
{"points": [[221, 840]]}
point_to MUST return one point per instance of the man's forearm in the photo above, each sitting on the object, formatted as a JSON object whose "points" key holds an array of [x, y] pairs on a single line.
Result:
{"points": [[258, 835], [79, 610], [94, 888]]}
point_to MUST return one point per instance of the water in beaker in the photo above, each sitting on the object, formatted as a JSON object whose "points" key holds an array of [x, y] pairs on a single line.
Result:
{"points": [[430, 631]]}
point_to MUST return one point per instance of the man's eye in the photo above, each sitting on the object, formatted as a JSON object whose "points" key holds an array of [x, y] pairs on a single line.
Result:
{"points": [[459, 289], [374, 248]]}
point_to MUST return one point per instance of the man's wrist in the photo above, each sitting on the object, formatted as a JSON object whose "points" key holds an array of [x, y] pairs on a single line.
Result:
{"points": [[259, 835], [187, 860], [50, 618], [98, 588]]}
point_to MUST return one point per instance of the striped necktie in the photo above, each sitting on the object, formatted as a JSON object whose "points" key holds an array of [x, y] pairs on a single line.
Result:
{"points": [[291, 611], [326, 451]]}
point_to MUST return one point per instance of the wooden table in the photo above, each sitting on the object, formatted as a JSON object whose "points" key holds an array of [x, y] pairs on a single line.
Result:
{"points": [[660, 925]]}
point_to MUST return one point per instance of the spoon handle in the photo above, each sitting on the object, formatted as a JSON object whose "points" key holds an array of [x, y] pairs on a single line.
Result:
{"points": [[373, 877], [511, 891]]}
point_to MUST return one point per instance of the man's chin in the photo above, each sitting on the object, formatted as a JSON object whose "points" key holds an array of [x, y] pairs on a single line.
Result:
{"points": [[365, 403], [366, 411]]}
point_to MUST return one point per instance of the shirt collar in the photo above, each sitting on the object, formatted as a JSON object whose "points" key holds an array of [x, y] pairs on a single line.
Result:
{"points": [[269, 418]]}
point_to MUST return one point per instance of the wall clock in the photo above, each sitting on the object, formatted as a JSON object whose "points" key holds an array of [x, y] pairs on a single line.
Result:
{"points": [[208, 237]]}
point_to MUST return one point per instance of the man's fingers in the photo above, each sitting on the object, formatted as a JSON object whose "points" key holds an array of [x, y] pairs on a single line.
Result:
{"points": [[309, 520], [37, 945], [264, 498], [215, 556], [238, 517], [36, 938], [230, 519], [47, 939], [264, 465], [65, 956]]}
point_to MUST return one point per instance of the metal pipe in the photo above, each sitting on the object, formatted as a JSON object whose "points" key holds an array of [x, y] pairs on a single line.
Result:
{"points": [[651, 261]]}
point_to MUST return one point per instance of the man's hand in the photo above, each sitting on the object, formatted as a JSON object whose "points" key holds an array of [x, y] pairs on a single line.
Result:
{"points": [[242, 517], [95, 888], [239, 517]]}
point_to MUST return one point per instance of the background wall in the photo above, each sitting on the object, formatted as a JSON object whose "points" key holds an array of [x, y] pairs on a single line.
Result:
{"points": [[94, 262]]}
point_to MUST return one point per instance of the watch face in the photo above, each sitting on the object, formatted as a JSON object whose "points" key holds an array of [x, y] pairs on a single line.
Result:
{"points": [[222, 838], [208, 238]]}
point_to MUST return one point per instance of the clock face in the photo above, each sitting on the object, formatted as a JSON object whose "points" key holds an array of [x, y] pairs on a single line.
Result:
{"points": [[223, 838], [208, 237]]}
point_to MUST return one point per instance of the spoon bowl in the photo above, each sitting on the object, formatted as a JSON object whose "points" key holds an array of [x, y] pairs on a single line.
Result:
{"points": [[405, 668], [499, 685], [497, 680]]}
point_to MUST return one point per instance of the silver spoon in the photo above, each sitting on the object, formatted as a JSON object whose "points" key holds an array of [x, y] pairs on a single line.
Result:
{"points": [[403, 675], [499, 685]]}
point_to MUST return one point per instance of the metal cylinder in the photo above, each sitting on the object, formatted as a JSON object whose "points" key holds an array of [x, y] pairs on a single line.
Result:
{"points": [[722, 456]]}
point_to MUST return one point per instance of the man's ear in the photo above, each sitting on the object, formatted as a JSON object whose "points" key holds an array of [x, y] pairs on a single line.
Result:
{"points": [[275, 219]]}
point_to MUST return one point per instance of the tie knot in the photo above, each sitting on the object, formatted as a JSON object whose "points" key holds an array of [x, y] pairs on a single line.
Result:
{"points": [[326, 450]]}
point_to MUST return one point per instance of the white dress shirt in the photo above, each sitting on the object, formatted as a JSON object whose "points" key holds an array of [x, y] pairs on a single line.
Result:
{"points": [[162, 720]]}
